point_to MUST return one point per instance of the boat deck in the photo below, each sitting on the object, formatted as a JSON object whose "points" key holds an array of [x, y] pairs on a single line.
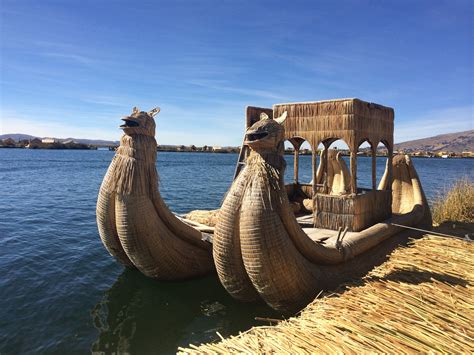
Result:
{"points": [[318, 235]]}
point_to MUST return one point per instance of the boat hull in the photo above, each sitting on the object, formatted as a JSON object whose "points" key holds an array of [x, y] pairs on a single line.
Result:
{"points": [[286, 268]]}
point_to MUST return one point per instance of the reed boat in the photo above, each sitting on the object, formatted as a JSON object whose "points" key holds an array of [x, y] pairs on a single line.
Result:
{"points": [[265, 248], [135, 225]]}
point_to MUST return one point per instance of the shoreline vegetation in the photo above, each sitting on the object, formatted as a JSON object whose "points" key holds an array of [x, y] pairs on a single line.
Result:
{"points": [[418, 300], [453, 209], [71, 144]]}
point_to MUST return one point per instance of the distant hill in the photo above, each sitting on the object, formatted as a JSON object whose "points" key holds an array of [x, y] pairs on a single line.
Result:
{"points": [[17, 136], [452, 142], [98, 142]]}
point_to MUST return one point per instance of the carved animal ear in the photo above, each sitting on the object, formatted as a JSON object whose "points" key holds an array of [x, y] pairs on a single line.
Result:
{"points": [[135, 110], [154, 112], [264, 116], [282, 118]]}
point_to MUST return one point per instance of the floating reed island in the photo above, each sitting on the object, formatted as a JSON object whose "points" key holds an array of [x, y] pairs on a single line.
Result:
{"points": [[420, 300]]}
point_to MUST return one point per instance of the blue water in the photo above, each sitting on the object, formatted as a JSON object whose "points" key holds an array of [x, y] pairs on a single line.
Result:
{"points": [[61, 292]]}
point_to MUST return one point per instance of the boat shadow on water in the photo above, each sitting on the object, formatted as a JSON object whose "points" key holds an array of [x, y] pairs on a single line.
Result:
{"points": [[141, 315]]}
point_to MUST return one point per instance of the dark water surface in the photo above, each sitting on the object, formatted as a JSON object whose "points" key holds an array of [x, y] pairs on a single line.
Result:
{"points": [[61, 292]]}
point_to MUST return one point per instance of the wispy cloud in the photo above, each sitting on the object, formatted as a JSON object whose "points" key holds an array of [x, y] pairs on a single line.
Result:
{"points": [[222, 86], [448, 120], [81, 59], [115, 101]]}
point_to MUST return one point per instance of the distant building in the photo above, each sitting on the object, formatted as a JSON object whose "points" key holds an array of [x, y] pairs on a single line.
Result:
{"points": [[34, 143], [217, 148], [69, 141], [48, 140]]}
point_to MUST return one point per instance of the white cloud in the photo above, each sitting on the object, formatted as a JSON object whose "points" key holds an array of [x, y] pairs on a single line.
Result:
{"points": [[11, 123], [448, 120], [70, 57], [219, 86]]}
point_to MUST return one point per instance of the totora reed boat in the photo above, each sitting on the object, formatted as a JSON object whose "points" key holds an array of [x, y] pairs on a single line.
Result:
{"points": [[282, 244], [135, 225], [265, 249]]}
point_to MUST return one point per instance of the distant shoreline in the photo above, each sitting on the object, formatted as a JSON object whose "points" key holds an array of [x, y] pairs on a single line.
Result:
{"points": [[234, 151]]}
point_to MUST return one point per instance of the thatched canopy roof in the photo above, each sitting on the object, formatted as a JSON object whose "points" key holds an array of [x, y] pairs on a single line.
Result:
{"points": [[351, 120]]}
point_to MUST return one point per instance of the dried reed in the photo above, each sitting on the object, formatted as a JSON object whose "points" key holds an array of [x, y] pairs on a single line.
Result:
{"points": [[456, 204], [420, 300]]}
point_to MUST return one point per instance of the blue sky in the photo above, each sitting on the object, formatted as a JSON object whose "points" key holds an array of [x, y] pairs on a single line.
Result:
{"points": [[73, 68]]}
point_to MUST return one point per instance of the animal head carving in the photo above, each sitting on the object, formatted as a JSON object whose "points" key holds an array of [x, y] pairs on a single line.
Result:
{"points": [[140, 122], [266, 134]]}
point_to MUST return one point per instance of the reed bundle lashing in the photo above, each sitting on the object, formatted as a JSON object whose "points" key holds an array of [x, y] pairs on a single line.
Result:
{"points": [[431, 232]]}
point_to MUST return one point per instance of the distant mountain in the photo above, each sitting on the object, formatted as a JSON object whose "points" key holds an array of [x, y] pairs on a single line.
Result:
{"points": [[98, 142], [17, 136], [452, 142]]}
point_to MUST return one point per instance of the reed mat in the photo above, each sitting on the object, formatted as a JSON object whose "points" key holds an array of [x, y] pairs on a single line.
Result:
{"points": [[419, 300]]}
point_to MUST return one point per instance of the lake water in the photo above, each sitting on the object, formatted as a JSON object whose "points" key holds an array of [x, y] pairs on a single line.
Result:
{"points": [[61, 292]]}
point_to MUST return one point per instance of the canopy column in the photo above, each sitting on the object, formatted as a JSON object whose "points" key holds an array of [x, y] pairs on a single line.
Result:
{"points": [[390, 167], [353, 160], [324, 159], [296, 142], [314, 169], [374, 167], [296, 164]]}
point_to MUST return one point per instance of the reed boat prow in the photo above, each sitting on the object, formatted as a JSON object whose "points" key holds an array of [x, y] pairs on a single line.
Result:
{"points": [[263, 251], [135, 225]]}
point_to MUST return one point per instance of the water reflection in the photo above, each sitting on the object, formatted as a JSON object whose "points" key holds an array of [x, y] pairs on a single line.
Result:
{"points": [[141, 315]]}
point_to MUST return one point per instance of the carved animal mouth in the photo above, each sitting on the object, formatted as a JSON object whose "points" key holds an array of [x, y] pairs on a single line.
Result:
{"points": [[252, 137], [128, 122]]}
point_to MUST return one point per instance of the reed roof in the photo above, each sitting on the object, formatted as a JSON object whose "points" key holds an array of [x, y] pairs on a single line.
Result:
{"points": [[352, 120], [419, 300]]}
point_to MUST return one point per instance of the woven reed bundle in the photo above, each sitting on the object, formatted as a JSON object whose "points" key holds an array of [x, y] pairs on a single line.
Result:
{"points": [[419, 300], [205, 217], [135, 225]]}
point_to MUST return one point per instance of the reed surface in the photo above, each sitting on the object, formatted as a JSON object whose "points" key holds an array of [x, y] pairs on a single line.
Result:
{"points": [[419, 300], [456, 204]]}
